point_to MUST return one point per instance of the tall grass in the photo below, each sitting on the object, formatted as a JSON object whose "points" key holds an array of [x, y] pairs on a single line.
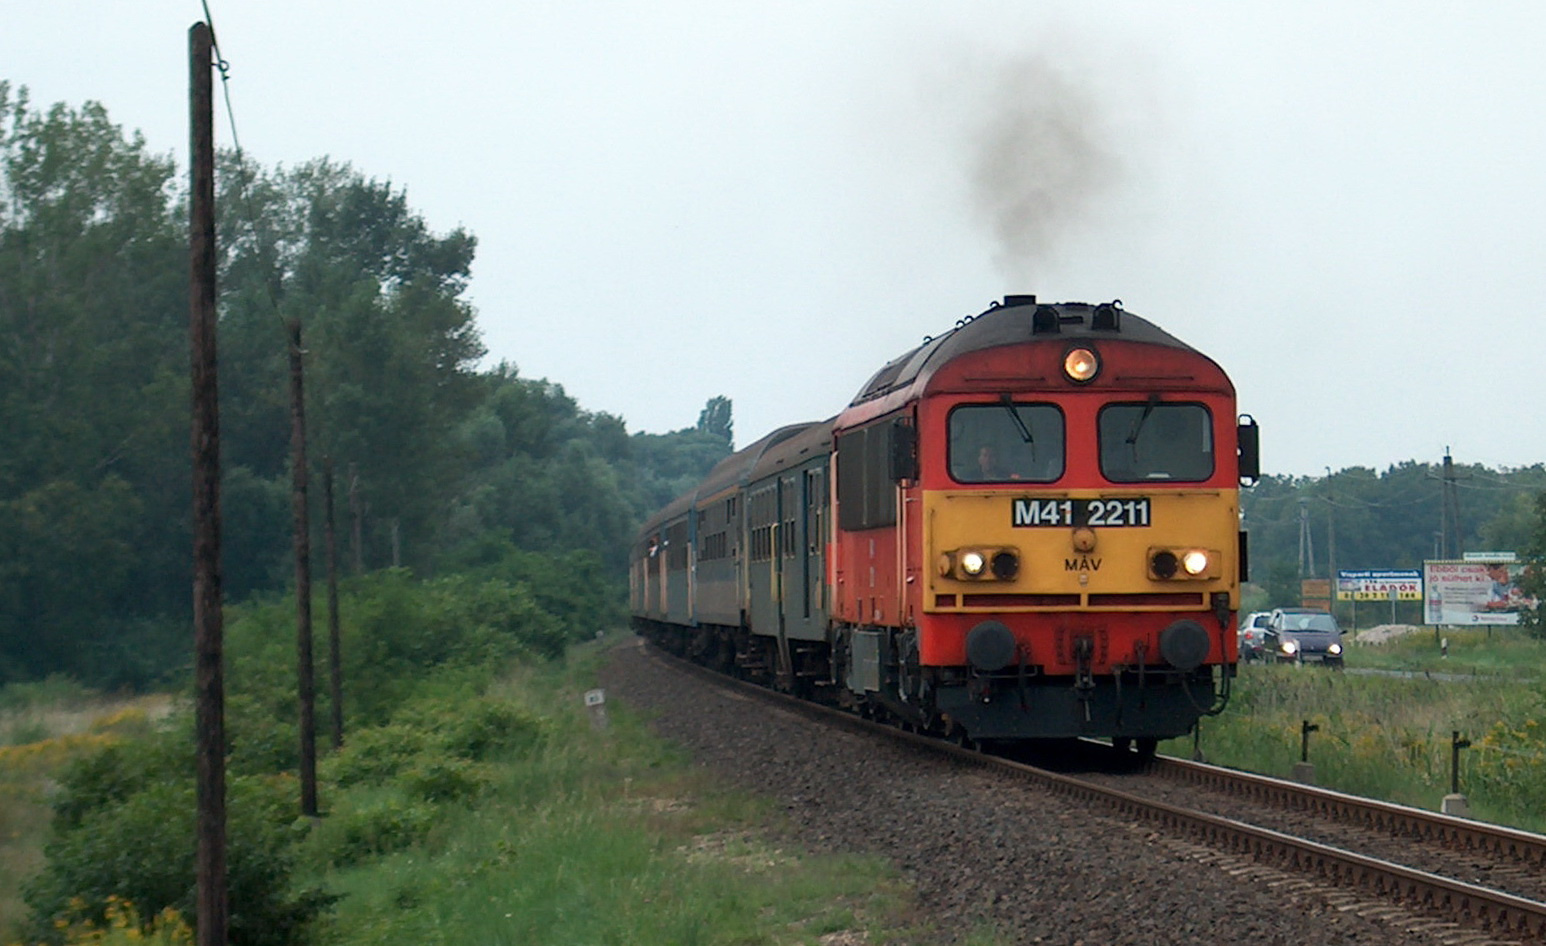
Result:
{"points": [[1388, 735]]}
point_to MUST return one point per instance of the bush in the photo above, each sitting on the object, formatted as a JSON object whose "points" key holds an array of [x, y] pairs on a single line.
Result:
{"points": [[384, 826], [373, 756], [142, 850], [474, 728], [438, 779]]}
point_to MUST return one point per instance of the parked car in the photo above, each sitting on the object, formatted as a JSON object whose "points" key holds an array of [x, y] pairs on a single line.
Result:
{"points": [[1252, 635], [1304, 635]]}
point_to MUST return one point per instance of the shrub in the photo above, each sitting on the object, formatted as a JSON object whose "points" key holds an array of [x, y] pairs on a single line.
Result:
{"points": [[373, 756], [141, 850], [383, 826], [440, 779], [474, 728]]}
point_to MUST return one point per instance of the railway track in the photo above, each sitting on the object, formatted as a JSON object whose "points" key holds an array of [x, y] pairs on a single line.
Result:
{"points": [[1424, 857]]}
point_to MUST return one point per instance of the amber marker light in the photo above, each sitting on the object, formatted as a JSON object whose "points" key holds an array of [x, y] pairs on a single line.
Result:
{"points": [[1081, 365]]}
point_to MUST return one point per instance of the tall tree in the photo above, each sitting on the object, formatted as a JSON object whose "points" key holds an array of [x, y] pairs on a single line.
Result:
{"points": [[92, 388]]}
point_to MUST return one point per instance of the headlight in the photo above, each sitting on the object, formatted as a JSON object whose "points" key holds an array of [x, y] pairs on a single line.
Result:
{"points": [[1334, 650], [980, 564], [1183, 564], [1081, 365], [1289, 647]]}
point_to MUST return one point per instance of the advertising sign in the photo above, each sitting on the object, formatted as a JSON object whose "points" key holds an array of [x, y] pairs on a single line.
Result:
{"points": [[1376, 585], [1473, 592]]}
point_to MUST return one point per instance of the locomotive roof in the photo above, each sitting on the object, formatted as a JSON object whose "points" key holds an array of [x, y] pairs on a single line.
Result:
{"points": [[1015, 320]]}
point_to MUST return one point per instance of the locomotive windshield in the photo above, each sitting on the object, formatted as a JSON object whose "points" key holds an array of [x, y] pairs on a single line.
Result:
{"points": [[1007, 442], [1151, 440]]}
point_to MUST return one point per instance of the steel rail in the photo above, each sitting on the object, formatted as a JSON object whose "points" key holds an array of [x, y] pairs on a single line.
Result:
{"points": [[1494, 910], [1368, 813]]}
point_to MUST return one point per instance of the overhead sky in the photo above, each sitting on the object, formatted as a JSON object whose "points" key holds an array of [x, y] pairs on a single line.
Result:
{"points": [[1344, 203]]}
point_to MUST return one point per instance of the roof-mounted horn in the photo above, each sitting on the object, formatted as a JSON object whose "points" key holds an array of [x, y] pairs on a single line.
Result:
{"points": [[1107, 317]]}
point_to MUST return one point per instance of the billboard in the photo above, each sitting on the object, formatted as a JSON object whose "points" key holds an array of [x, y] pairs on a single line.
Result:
{"points": [[1473, 592], [1378, 585]]}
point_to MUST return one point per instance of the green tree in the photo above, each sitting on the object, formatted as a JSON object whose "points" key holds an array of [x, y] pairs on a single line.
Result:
{"points": [[93, 303], [715, 418], [390, 343]]}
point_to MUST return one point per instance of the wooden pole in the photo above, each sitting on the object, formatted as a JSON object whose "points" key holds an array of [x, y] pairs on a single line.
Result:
{"points": [[356, 517], [305, 674], [211, 903], [335, 646]]}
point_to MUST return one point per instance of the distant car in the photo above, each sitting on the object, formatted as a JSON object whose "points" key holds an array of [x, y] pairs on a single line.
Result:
{"points": [[1304, 635], [1252, 635]]}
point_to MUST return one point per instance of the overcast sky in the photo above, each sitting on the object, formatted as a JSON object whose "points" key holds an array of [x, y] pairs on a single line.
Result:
{"points": [[1343, 203]]}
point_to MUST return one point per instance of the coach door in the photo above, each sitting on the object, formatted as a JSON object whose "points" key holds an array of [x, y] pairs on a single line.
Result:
{"points": [[814, 486]]}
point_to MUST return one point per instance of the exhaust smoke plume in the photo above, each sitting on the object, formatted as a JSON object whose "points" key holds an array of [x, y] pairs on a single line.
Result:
{"points": [[1035, 162]]}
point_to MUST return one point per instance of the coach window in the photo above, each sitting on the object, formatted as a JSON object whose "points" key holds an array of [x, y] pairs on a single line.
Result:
{"points": [[1151, 441], [1006, 442]]}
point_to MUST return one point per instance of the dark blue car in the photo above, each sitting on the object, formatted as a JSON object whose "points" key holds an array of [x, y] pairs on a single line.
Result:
{"points": [[1304, 635]]}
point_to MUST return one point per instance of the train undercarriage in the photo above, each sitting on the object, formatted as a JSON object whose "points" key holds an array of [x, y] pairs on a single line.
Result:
{"points": [[875, 672]]}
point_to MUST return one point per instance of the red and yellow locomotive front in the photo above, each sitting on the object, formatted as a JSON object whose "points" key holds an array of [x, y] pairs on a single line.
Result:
{"points": [[1069, 553]]}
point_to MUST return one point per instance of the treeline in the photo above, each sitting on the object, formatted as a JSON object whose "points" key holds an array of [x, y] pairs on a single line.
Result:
{"points": [[1360, 518], [440, 465]]}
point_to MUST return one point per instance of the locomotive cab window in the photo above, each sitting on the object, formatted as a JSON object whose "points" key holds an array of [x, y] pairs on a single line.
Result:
{"points": [[1152, 441], [1006, 442]]}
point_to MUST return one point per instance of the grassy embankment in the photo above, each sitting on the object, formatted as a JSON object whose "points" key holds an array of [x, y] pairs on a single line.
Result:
{"points": [[1386, 722], [565, 833]]}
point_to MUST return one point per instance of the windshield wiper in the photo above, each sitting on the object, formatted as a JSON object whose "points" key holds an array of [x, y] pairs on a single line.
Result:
{"points": [[1009, 405], [1148, 408]]}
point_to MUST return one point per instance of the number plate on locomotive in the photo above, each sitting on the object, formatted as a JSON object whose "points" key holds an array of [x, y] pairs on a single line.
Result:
{"points": [[1076, 513]]}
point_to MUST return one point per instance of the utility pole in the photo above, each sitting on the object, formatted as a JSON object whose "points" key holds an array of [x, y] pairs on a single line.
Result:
{"points": [[1306, 541], [303, 657], [335, 647], [211, 900], [1450, 513], [1331, 530]]}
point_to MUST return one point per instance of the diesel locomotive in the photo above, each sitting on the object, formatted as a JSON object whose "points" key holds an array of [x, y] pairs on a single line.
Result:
{"points": [[1027, 528]]}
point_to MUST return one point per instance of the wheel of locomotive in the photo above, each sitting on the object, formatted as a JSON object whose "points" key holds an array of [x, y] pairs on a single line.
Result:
{"points": [[1122, 743], [1147, 745]]}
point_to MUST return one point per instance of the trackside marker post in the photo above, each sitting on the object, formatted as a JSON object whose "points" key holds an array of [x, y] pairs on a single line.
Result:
{"points": [[596, 703]]}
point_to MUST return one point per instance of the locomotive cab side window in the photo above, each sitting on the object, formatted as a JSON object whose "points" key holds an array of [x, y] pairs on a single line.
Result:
{"points": [[1151, 441], [1006, 442]]}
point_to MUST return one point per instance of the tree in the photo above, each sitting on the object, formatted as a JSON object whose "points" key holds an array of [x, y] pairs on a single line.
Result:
{"points": [[715, 419], [391, 345], [93, 304]]}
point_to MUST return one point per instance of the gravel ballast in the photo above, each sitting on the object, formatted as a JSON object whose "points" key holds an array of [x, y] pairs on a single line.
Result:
{"points": [[1037, 868]]}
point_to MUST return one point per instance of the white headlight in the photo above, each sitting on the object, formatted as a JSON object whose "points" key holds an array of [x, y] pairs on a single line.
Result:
{"points": [[972, 563], [1334, 649], [1195, 562], [1290, 647]]}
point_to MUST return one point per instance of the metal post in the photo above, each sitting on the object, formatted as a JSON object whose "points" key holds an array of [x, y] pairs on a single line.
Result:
{"points": [[1455, 745], [211, 900], [1305, 728]]}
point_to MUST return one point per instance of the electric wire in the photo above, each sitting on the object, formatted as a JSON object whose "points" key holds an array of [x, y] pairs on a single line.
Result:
{"points": [[244, 195]]}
